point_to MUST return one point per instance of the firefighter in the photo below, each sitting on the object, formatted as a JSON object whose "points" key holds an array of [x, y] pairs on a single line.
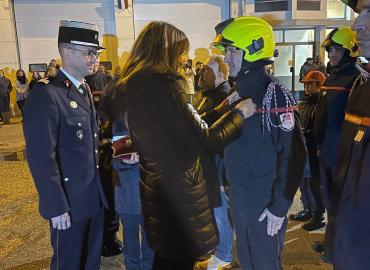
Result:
{"points": [[343, 51], [265, 164], [351, 203], [313, 212]]}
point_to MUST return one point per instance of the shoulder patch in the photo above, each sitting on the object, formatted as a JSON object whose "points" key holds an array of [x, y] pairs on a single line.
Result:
{"points": [[43, 81], [271, 104], [287, 121]]}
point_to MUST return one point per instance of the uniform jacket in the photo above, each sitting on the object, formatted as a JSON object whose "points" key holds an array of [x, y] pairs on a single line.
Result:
{"points": [[178, 175], [266, 165], [60, 129], [330, 111], [352, 201]]}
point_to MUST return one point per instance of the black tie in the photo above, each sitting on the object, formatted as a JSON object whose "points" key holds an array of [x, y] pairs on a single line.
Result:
{"points": [[83, 89], [84, 93]]}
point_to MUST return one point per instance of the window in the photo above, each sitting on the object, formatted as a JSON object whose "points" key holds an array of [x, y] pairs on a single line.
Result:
{"points": [[308, 5], [336, 9], [270, 5], [307, 35], [278, 36]]}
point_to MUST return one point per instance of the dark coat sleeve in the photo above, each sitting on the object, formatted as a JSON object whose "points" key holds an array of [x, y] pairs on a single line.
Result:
{"points": [[223, 131], [41, 134], [291, 160]]}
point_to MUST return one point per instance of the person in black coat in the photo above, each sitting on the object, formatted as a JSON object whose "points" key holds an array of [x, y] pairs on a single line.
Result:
{"points": [[343, 52], [213, 84], [310, 187], [61, 133], [213, 80], [179, 185], [5, 89], [351, 203]]}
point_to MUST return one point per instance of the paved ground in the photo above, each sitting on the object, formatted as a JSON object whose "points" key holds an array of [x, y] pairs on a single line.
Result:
{"points": [[24, 238]]}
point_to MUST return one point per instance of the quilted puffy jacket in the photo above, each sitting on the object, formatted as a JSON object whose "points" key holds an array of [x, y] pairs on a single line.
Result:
{"points": [[179, 185]]}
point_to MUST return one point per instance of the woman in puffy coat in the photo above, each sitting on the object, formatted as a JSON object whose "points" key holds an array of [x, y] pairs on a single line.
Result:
{"points": [[179, 184]]}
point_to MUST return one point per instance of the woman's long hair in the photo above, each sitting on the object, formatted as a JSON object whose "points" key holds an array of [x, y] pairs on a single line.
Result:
{"points": [[158, 48], [22, 79]]}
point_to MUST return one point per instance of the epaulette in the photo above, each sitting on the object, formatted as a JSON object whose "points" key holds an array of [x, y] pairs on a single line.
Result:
{"points": [[43, 81]]}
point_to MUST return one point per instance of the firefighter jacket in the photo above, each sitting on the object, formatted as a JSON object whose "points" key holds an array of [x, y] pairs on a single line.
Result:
{"points": [[268, 159]]}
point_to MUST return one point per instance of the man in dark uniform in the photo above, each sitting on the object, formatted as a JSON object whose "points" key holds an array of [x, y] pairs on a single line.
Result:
{"points": [[265, 164], [61, 133], [343, 52], [351, 248]]}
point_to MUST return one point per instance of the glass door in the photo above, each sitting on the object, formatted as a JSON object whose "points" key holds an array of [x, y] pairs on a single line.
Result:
{"points": [[301, 53], [283, 63], [293, 55]]}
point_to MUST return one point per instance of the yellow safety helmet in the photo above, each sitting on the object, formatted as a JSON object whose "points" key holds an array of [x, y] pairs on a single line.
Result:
{"points": [[251, 34], [344, 37]]}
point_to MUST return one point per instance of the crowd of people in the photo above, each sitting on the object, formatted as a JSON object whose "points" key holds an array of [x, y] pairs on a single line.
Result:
{"points": [[22, 88], [189, 160]]}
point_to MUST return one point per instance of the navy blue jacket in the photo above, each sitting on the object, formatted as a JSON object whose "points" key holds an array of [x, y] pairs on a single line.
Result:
{"points": [[330, 111], [351, 203], [60, 129], [266, 165]]}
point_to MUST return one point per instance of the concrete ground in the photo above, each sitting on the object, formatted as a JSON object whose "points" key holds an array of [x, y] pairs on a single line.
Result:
{"points": [[24, 238]]}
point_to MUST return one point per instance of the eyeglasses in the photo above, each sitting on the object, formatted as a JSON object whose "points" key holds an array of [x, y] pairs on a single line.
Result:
{"points": [[89, 53]]}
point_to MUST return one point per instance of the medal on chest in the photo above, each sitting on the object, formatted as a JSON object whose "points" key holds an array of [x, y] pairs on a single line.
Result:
{"points": [[80, 134]]}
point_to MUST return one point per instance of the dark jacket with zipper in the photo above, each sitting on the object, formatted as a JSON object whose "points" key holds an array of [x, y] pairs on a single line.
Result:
{"points": [[179, 183]]}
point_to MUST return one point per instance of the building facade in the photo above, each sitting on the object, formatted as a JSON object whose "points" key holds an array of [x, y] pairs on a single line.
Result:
{"points": [[300, 28], [28, 28]]}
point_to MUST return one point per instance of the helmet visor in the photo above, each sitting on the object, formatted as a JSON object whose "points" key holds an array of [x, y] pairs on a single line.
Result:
{"points": [[220, 43]]}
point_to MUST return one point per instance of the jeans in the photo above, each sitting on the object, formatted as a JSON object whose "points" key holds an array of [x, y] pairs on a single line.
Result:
{"points": [[137, 256], [224, 248]]}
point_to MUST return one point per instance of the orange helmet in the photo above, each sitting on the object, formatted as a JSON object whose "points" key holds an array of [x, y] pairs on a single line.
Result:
{"points": [[314, 76]]}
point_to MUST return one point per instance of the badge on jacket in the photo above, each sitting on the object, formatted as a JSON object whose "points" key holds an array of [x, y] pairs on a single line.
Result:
{"points": [[73, 104], [79, 134], [287, 121]]}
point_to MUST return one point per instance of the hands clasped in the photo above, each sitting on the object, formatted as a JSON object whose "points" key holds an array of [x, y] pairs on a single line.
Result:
{"points": [[61, 222], [134, 158], [274, 223]]}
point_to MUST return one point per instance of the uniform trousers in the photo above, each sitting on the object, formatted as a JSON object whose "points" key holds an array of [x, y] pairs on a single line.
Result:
{"points": [[327, 173], [256, 249], [78, 247]]}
